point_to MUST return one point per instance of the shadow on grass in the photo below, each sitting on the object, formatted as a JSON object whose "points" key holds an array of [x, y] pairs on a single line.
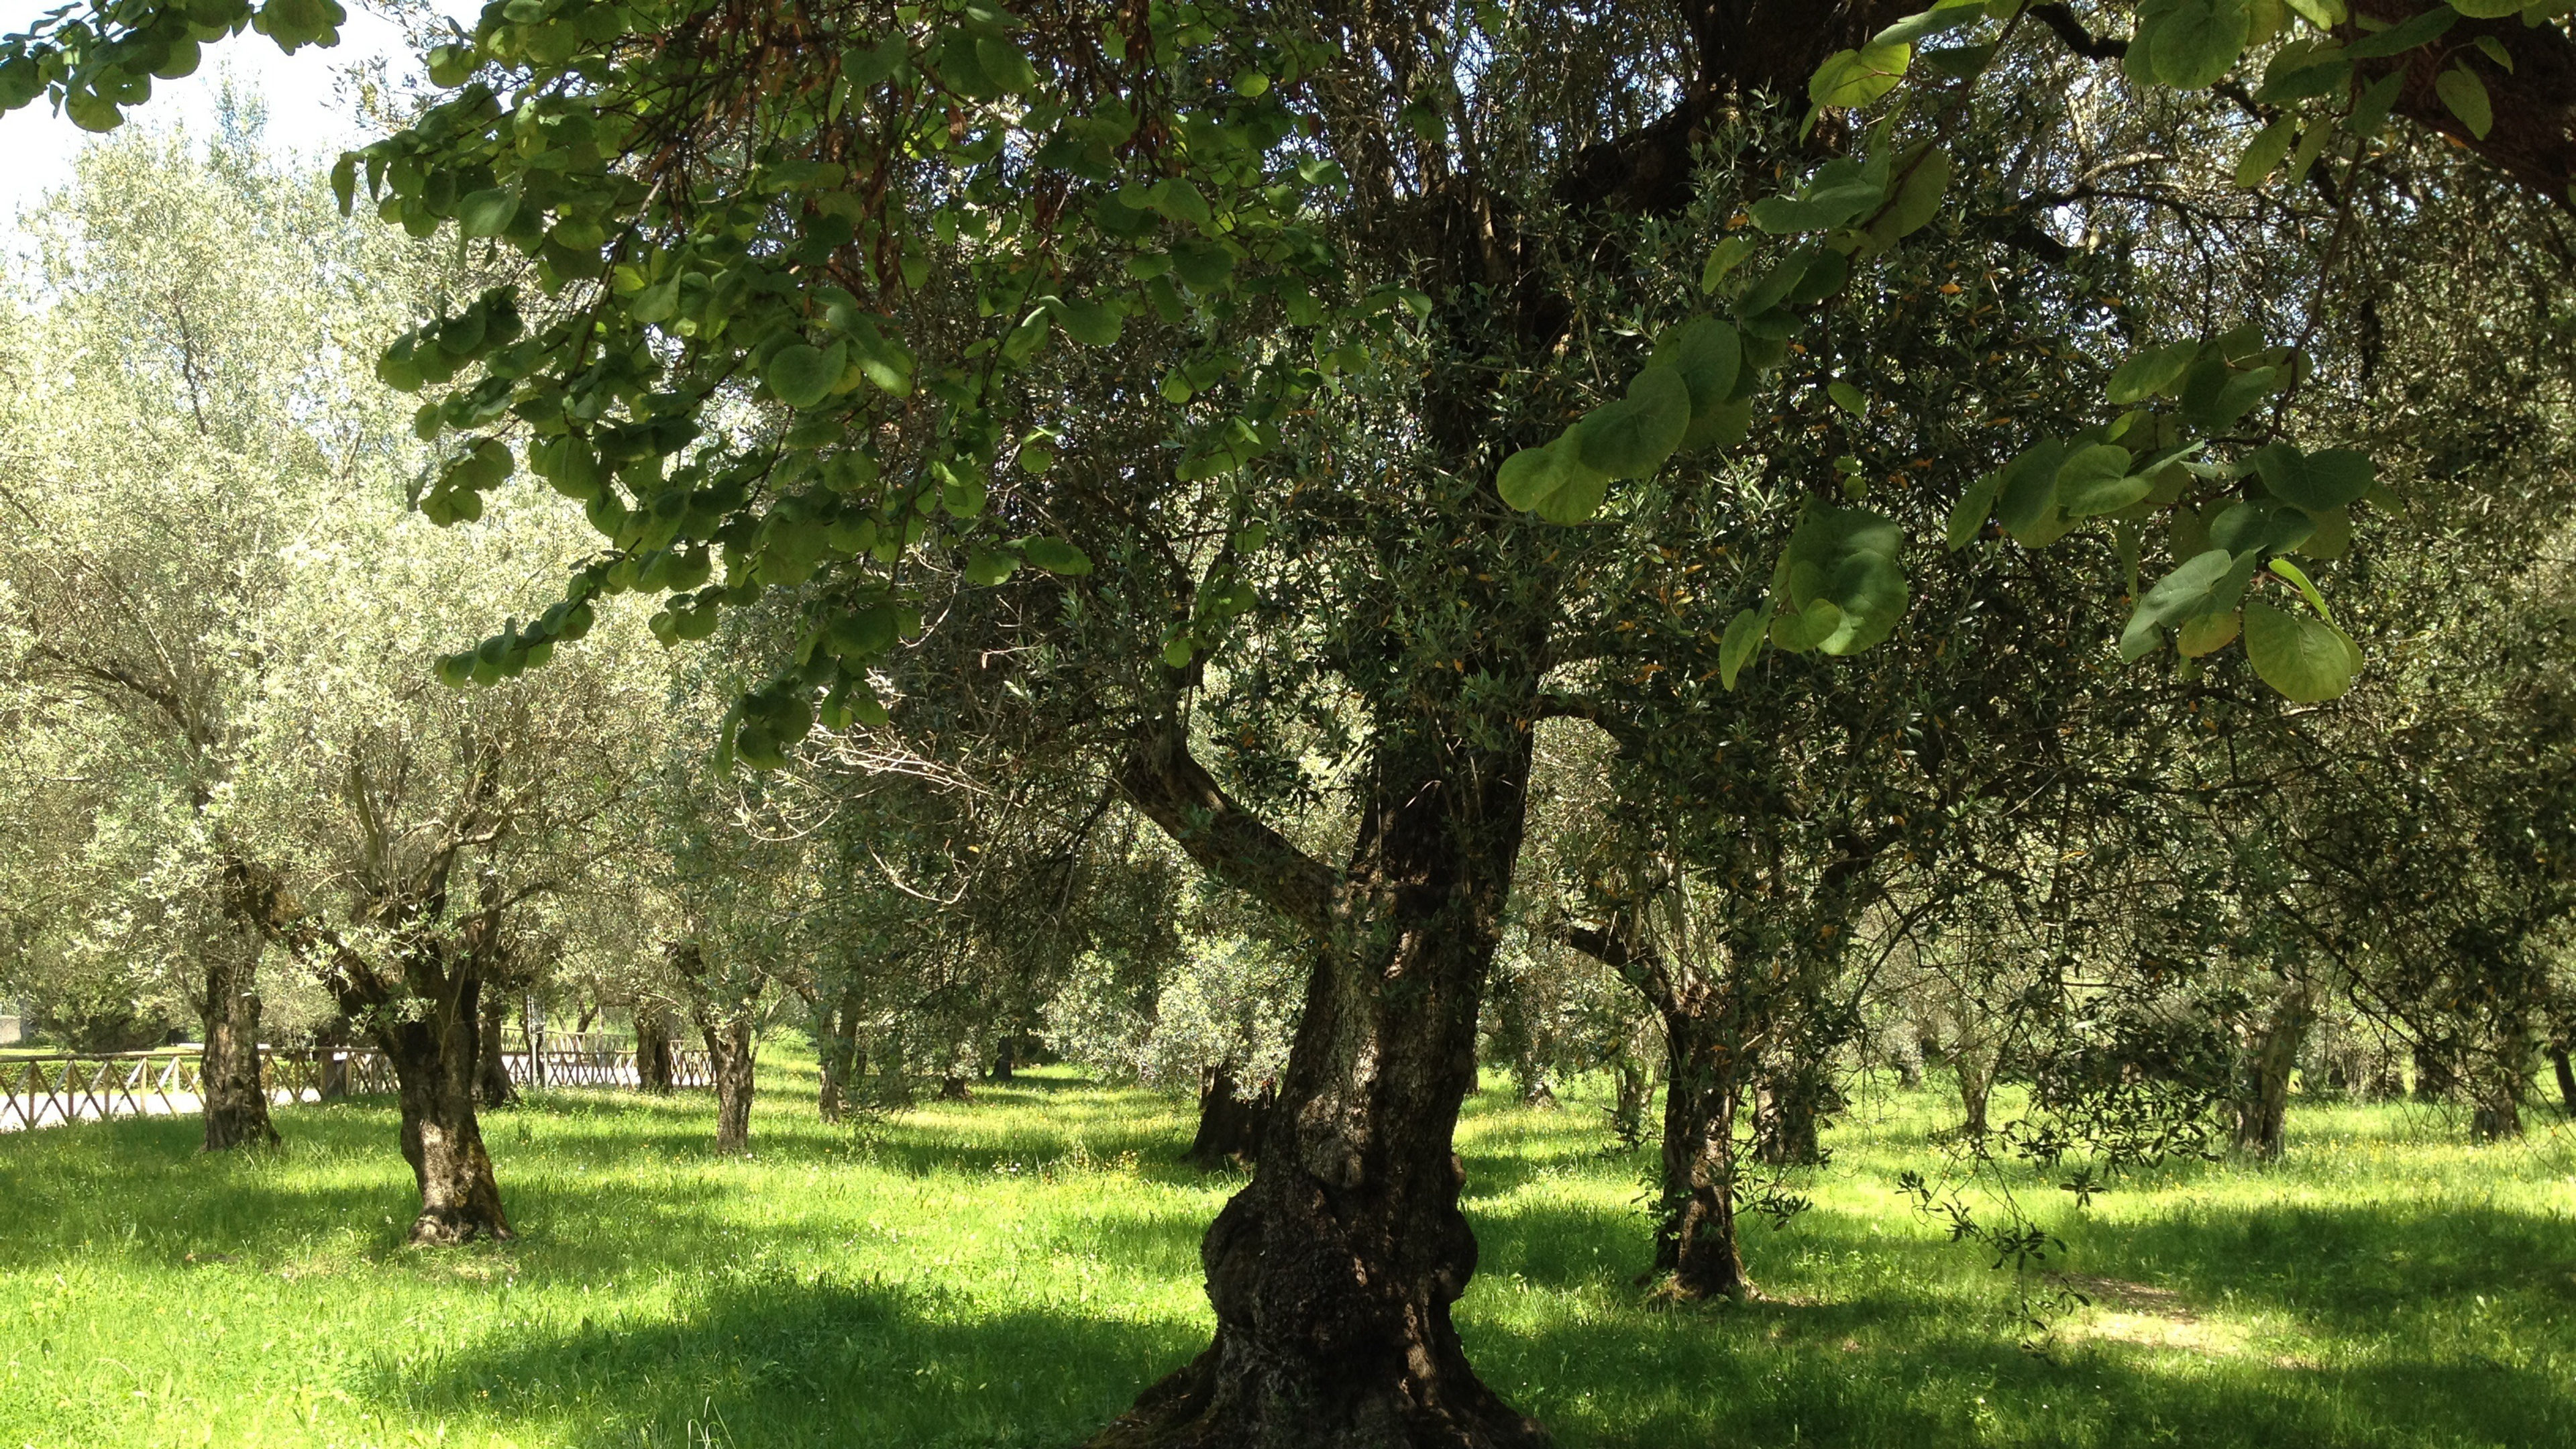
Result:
{"points": [[777, 1360]]}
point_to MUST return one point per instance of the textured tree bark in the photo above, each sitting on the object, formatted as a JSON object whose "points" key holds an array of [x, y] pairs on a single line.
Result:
{"points": [[1695, 1239], [492, 1084], [435, 1061], [1230, 1124], [1332, 1273], [2263, 1091], [729, 1059], [235, 1100], [653, 1047]]}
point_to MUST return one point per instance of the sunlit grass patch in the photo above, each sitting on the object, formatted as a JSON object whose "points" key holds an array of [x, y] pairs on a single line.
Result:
{"points": [[1012, 1269]]}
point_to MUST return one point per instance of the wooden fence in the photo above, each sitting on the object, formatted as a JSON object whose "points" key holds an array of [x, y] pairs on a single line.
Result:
{"points": [[47, 1091]]}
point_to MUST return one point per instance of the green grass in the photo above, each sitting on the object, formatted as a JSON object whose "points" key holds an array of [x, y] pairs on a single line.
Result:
{"points": [[1010, 1271]]}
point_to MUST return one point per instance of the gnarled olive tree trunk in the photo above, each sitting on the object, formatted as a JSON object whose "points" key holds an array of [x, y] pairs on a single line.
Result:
{"points": [[234, 1098], [836, 1052], [435, 1058], [724, 1002], [1332, 1273], [2263, 1087], [2497, 1089], [1975, 1065], [1695, 1237], [1230, 1123], [729, 1061], [1791, 1103], [492, 1082], [653, 1064], [421, 1004]]}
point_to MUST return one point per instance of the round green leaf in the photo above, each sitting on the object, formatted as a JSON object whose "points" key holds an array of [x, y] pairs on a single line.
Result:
{"points": [[2150, 371], [1552, 483], [2097, 480], [1632, 437], [2196, 41], [2318, 482], [1055, 556], [2305, 658], [2177, 596], [1707, 353], [2466, 95], [2027, 499], [488, 212], [803, 375]]}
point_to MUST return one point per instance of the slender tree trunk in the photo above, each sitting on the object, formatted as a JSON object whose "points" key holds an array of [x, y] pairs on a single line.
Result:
{"points": [[1230, 1125], [2263, 1090], [1332, 1273], [653, 1063], [729, 1059], [435, 1059], [235, 1099], [2566, 1080], [492, 1084], [1695, 1238]]}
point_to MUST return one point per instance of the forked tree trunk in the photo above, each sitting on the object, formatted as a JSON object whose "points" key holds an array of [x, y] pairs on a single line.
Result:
{"points": [[653, 1047], [729, 1061], [492, 1084], [435, 1061], [234, 1098], [1332, 1273], [1695, 1238], [2263, 1089], [1230, 1124], [2566, 1071]]}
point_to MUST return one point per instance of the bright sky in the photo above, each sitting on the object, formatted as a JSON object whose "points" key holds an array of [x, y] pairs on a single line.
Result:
{"points": [[304, 114]]}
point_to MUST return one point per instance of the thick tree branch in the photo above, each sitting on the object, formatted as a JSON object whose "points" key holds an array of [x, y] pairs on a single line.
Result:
{"points": [[1164, 781], [1642, 968]]}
